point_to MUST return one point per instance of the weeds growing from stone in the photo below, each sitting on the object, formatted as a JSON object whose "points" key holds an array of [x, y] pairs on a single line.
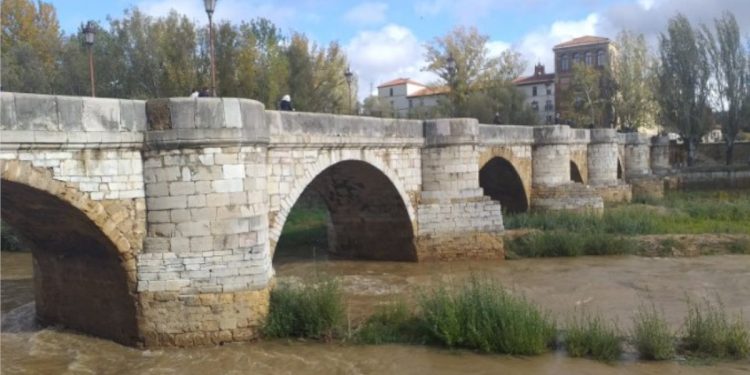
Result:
{"points": [[391, 323], [559, 243]]}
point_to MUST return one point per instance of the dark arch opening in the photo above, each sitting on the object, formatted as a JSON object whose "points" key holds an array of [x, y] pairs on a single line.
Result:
{"points": [[502, 183], [575, 174], [619, 170], [79, 281], [365, 218]]}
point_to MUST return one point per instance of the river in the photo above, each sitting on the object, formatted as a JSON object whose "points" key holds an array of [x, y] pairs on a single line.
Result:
{"points": [[613, 286]]}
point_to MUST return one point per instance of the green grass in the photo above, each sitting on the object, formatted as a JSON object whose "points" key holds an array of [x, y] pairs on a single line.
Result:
{"points": [[677, 213], [589, 335], [560, 243], [709, 332], [391, 323], [651, 335], [481, 315], [740, 246], [311, 310], [305, 225]]}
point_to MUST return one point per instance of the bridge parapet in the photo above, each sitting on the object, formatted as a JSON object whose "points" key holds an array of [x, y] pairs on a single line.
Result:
{"points": [[324, 130], [31, 121], [492, 135]]}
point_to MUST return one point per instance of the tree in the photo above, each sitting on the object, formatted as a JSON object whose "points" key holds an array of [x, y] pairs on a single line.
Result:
{"points": [[590, 95], [729, 70], [473, 67], [31, 42], [683, 83], [632, 71]]}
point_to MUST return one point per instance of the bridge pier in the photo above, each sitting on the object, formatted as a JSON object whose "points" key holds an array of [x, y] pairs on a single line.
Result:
{"points": [[552, 187], [205, 270], [637, 155], [602, 166], [455, 219]]}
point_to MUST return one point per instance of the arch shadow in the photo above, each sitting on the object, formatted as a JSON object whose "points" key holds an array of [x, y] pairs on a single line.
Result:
{"points": [[575, 173], [502, 183], [79, 278], [619, 169], [366, 216]]}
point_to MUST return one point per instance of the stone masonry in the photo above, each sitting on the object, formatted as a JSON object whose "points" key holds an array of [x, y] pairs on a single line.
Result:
{"points": [[155, 223]]}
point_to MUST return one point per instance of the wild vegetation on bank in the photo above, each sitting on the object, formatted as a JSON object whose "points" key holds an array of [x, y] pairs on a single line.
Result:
{"points": [[615, 231], [479, 314]]}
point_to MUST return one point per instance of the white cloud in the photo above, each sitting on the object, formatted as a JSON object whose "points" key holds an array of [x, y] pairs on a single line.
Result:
{"points": [[385, 54], [234, 11], [367, 14], [496, 47], [537, 46], [430, 7]]}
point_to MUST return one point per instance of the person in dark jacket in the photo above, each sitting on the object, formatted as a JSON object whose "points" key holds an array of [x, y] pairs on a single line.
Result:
{"points": [[286, 103]]}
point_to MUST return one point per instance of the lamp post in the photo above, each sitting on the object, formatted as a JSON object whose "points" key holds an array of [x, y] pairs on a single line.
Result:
{"points": [[89, 33], [450, 66], [210, 7], [348, 75]]}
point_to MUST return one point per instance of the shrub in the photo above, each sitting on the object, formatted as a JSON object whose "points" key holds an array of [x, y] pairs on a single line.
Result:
{"points": [[483, 316], [311, 310], [651, 335], [709, 333], [589, 336], [740, 246]]}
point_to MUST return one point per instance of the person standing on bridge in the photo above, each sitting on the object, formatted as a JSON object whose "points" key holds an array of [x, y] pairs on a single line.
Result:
{"points": [[286, 103]]}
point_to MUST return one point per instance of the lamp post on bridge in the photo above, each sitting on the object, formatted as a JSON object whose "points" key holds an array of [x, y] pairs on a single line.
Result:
{"points": [[348, 75], [210, 7], [450, 66], [89, 33]]}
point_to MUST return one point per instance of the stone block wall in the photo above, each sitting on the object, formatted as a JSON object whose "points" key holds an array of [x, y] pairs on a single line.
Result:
{"points": [[204, 274], [551, 155], [637, 154], [455, 218]]}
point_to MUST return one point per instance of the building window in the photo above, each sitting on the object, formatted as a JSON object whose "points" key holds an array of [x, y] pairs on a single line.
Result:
{"points": [[411, 105], [548, 106], [549, 91], [600, 58], [533, 91], [589, 58], [549, 120], [535, 106], [576, 58], [565, 64], [421, 102], [390, 91]]}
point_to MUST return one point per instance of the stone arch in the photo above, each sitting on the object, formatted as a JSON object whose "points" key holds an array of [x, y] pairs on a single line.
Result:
{"points": [[369, 216], [575, 173], [84, 265], [501, 182]]}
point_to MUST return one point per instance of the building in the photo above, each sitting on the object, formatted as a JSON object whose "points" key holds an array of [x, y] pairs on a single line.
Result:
{"points": [[408, 98], [539, 90], [594, 51]]}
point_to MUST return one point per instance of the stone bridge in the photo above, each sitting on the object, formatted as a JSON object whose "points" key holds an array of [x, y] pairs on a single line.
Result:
{"points": [[155, 223]]}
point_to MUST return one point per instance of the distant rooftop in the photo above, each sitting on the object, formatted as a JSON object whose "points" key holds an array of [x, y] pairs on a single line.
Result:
{"points": [[427, 91], [582, 41], [399, 81]]}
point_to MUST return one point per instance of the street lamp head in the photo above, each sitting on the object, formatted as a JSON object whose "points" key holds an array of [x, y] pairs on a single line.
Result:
{"points": [[210, 6], [89, 31], [348, 75]]}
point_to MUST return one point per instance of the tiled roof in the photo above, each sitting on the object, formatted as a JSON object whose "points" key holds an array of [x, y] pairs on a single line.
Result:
{"points": [[581, 41], [427, 91], [399, 81], [544, 78]]}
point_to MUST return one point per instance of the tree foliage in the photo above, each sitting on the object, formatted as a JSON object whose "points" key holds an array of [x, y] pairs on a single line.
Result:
{"points": [[480, 86], [632, 71], [683, 77], [729, 67], [139, 56]]}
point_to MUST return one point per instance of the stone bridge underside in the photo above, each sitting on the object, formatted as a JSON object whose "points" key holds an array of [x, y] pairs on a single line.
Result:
{"points": [[155, 223]]}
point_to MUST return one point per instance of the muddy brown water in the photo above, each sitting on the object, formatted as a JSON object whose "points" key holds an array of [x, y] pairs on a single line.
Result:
{"points": [[614, 286]]}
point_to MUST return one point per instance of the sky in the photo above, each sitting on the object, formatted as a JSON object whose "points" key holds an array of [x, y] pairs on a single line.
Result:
{"points": [[384, 39]]}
